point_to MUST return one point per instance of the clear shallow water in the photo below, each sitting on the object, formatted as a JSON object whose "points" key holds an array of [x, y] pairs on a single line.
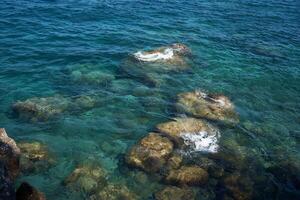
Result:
{"points": [[247, 50]]}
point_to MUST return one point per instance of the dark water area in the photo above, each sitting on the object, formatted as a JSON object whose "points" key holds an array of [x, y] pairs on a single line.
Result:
{"points": [[246, 50]]}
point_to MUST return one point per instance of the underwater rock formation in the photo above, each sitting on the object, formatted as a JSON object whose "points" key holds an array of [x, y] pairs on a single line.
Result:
{"points": [[40, 109], [174, 162], [196, 134], [174, 193], [213, 107], [114, 192], [28, 192], [187, 175], [9, 154], [92, 77], [151, 153], [34, 157], [238, 186], [87, 178]]}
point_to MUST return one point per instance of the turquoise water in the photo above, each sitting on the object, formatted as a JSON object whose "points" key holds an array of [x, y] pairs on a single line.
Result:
{"points": [[247, 50]]}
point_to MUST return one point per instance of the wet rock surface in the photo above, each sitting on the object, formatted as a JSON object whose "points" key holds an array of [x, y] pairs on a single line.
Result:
{"points": [[7, 191], [209, 106], [9, 154], [35, 157], [28, 192], [175, 193], [187, 175], [151, 153]]}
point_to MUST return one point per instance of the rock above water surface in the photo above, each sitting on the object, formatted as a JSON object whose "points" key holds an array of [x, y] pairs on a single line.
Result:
{"points": [[150, 153], [213, 107], [175, 193], [187, 175], [9, 154], [27, 192], [197, 134], [88, 178], [35, 156]]}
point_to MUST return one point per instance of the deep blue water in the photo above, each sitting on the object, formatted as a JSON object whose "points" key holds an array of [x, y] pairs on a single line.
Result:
{"points": [[248, 50]]}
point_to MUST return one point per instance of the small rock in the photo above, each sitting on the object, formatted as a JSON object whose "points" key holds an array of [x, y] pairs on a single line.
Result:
{"points": [[88, 178], [187, 175], [175, 193], [115, 192], [213, 107], [150, 153]]}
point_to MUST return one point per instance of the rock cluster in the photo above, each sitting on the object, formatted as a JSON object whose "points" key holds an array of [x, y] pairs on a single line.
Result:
{"points": [[175, 193], [9, 169]]}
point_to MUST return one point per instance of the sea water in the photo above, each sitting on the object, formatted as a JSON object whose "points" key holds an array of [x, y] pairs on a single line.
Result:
{"points": [[247, 50]]}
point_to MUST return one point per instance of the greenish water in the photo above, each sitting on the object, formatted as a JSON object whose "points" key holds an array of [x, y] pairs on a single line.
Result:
{"points": [[246, 50]]}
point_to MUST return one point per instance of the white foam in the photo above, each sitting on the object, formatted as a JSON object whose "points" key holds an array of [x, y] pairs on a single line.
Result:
{"points": [[202, 141], [167, 54]]}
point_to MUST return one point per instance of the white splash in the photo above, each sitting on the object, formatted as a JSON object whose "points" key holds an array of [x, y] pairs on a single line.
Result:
{"points": [[202, 141], [168, 53]]}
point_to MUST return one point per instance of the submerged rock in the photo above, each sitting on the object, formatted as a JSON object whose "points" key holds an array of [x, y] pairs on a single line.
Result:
{"points": [[187, 175], [115, 192], [85, 102], [28, 192], [41, 109], [151, 153], [213, 107], [34, 157], [175, 193], [9, 154], [174, 162], [87, 178], [196, 134], [238, 186], [92, 77]]}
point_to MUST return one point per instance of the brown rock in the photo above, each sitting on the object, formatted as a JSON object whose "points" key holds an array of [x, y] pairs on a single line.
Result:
{"points": [[213, 107], [150, 153], [187, 175], [175, 193], [9, 154], [175, 129], [27, 192]]}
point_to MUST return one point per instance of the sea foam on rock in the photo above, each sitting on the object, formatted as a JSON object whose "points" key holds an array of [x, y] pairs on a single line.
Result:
{"points": [[209, 106], [171, 53], [151, 153], [196, 134]]}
